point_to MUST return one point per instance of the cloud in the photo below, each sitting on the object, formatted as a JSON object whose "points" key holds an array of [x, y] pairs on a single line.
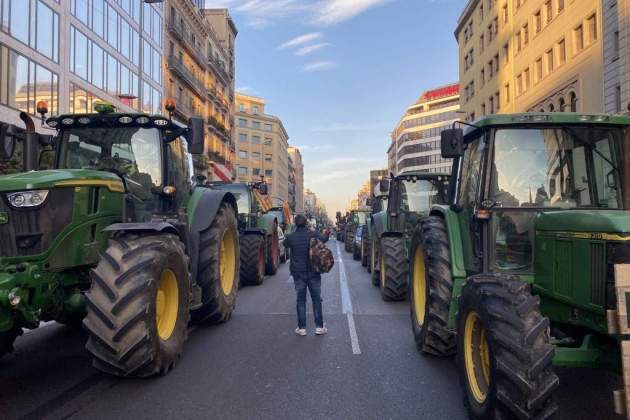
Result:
{"points": [[318, 66], [332, 12], [311, 49], [352, 127], [300, 40]]}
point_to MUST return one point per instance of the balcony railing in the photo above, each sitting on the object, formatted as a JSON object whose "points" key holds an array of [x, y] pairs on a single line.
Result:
{"points": [[178, 67], [219, 67], [187, 42]]}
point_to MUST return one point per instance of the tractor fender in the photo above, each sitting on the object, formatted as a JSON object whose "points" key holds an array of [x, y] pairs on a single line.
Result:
{"points": [[161, 227], [202, 209], [458, 269], [378, 223]]}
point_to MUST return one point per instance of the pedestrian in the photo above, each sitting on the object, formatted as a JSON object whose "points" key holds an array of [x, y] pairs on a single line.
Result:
{"points": [[304, 277]]}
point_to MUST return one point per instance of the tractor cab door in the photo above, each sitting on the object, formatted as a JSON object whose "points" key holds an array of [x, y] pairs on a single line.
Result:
{"points": [[179, 173]]}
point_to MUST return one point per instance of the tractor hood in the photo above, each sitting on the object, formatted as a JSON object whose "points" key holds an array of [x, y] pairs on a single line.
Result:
{"points": [[36, 180], [588, 221]]}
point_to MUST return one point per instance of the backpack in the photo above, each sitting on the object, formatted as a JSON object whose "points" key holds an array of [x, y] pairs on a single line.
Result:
{"points": [[320, 257]]}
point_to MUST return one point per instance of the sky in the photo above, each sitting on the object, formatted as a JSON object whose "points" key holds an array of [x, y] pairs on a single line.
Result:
{"points": [[340, 74]]}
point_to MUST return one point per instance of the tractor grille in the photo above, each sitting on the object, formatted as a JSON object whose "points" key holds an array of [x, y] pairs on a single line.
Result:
{"points": [[31, 231], [598, 273]]}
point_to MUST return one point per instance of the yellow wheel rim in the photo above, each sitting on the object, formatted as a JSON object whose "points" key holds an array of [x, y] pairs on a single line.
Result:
{"points": [[227, 261], [419, 286], [166, 304], [477, 357]]}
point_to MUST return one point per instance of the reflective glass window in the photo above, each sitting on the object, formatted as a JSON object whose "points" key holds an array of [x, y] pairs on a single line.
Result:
{"points": [[125, 44], [19, 13], [135, 45], [112, 75], [80, 10], [112, 27], [79, 54], [47, 40], [98, 17], [97, 66]]}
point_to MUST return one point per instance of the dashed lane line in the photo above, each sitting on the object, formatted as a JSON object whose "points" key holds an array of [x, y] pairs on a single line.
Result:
{"points": [[346, 304]]}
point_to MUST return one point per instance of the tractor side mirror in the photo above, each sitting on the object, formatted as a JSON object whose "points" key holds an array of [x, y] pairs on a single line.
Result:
{"points": [[452, 143], [383, 185], [195, 136], [7, 142]]}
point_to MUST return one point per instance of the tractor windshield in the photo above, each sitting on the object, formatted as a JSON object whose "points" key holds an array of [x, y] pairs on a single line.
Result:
{"points": [[133, 153], [361, 217], [417, 196], [564, 167]]}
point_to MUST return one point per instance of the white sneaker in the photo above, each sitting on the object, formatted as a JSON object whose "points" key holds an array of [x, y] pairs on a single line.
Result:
{"points": [[321, 331], [300, 331]]}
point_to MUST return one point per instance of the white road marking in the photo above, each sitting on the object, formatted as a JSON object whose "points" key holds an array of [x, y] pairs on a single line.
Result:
{"points": [[346, 303]]}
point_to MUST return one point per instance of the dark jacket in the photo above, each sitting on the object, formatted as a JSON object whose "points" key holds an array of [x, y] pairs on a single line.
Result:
{"points": [[298, 242]]}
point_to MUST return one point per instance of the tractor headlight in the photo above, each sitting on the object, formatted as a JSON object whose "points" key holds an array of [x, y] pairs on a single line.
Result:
{"points": [[27, 198]]}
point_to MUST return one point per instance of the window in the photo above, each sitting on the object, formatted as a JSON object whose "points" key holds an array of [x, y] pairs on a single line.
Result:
{"points": [[483, 109], [481, 43], [506, 93], [526, 78], [242, 122], [242, 154], [256, 171], [481, 12], [537, 22], [495, 63], [491, 103], [267, 141], [504, 13], [562, 52], [549, 10], [539, 69], [482, 77], [573, 101], [618, 99], [255, 110], [242, 171], [256, 155], [255, 139], [497, 101], [519, 44], [242, 137], [549, 59], [519, 84], [241, 108], [560, 5], [268, 127], [471, 173], [525, 35], [506, 53], [490, 70], [592, 28], [615, 54], [268, 172], [256, 125], [268, 157], [578, 38]]}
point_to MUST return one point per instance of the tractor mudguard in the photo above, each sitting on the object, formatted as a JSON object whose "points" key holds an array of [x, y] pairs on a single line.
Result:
{"points": [[379, 223], [202, 209], [142, 227], [458, 269]]}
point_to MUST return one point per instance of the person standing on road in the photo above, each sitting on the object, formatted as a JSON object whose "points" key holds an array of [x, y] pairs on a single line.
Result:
{"points": [[303, 275]]}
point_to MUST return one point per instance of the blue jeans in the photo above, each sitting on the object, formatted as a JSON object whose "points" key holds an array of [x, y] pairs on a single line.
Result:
{"points": [[313, 282]]}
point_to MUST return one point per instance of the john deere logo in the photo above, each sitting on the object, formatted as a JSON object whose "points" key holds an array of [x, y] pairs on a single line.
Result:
{"points": [[4, 218]]}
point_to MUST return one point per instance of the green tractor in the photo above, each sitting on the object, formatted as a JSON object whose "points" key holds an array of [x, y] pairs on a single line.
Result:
{"points": [[354, 219], [529, 266], [410, 197], [111, 233], [377, 203], [258, 232]]}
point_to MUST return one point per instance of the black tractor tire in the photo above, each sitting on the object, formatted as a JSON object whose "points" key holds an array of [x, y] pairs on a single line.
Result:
{"points": [[349, 241], [504, 356], [7, 338], [218, 279], [122, 305], [394, 269], [431, 288], [252, 260], [375, 274], [273, 252], [356, 252], [365, 247]]}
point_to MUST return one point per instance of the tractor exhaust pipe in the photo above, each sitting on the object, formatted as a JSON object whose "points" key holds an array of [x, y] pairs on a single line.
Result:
{"points": [[30, 142]]}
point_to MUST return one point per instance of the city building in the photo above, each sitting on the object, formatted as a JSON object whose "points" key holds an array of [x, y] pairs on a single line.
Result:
{"points": [[74, 53], [298, 174], [200, 76], [415, 142], [534, 55], [262, 145], [616, 28]]}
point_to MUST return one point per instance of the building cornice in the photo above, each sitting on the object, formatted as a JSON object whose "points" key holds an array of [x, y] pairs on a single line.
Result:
{"points": [[463, 18]]}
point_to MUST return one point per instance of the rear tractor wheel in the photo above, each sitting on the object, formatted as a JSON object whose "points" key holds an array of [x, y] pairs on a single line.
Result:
{"points": [[218, 272], [273, 255], [394, 269], [375, 275], [431, 289], [252, 260], [365, 247], [504, 357], [138, 306]]}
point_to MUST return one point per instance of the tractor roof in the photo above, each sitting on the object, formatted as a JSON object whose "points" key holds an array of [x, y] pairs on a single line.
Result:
{"points": [[113, 119], [546, 118], [422, 175]]}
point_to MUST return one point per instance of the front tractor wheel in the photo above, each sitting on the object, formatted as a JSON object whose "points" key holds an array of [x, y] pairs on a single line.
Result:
{"points": [[375, 274], [431, 289], [504, 356], [394, 270], [365, 247], [252, 260], [138, 305], [218, 272]]}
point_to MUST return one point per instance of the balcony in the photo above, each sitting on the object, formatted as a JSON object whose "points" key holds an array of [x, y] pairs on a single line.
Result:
{"points": [[176, 66], [219, 67], [219, 129], [178, 32]]}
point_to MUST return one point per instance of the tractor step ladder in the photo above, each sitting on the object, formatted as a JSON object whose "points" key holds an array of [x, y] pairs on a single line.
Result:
{"points": [[619, 323]]}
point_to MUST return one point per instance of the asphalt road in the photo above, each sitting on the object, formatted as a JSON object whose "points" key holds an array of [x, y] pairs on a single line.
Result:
{"points": [[255, 367]]}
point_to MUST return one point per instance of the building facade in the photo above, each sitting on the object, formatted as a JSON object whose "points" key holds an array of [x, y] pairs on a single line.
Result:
{"points": [[262, 147], [298, 174], [530, 55], [200, 76], [415, 142], [72, 54], [616, 27]]}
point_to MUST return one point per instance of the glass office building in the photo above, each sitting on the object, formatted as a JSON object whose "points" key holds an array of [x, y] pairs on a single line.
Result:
{"points": [[72, 53]]}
